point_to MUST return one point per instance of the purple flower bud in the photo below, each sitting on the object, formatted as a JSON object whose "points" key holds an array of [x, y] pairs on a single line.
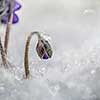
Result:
{"points": [[43, 49]]}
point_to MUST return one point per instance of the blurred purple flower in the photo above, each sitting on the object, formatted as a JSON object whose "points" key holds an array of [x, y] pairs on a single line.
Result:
{"points": [[15, 18]]}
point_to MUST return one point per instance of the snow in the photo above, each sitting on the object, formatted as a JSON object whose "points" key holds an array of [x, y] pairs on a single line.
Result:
{"points": [[73, 73]]}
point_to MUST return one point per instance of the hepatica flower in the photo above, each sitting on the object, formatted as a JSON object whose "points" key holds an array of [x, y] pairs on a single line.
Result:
{"points": [[15, 18]]}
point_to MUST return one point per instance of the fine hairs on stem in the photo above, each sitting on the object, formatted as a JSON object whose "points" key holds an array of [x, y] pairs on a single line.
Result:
{"points": [[26, 62], [3, 57], [8, 26]]}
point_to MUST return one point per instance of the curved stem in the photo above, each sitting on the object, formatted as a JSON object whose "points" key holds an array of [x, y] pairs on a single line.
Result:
{"points": [[8, 25], [26, 61]]}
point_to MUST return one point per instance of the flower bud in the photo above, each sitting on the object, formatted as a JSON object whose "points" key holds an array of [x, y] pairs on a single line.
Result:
{"points": [[44, 49]]}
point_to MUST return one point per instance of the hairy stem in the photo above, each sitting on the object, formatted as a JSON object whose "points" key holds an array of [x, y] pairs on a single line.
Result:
{"points": [[8, 25], [26, 59], [3, 57]]}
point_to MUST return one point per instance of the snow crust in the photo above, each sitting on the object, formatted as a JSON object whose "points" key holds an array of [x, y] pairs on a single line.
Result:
{"points": [[73, 73]]}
